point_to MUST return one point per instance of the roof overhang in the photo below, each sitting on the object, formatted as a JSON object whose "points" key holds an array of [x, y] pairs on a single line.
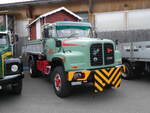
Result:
{"points": [[30, 3], [8, 12], [55, 11]]}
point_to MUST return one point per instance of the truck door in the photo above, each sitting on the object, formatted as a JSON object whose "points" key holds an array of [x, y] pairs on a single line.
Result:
{"points": [[49, 42]]}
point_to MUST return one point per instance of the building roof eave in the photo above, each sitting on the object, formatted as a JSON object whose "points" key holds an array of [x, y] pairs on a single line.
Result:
{"points": [[54, 11]]}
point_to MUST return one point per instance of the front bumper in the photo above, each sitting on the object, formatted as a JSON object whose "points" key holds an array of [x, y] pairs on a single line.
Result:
{"points": [[101, 78], [11, 79]]}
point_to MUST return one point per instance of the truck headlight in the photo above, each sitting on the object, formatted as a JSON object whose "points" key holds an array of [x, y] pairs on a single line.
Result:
{"points": [[14, 68]]}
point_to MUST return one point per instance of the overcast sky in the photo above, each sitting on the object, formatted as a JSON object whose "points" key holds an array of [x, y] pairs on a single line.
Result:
{"points": [[11, 1]]}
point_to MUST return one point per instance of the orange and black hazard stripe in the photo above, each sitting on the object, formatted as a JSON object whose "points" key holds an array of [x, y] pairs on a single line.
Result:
{"points": [[108, 76]]}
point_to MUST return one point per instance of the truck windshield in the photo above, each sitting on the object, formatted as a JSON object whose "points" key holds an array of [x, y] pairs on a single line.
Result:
{"points": [[3, 39], [71, 32]]}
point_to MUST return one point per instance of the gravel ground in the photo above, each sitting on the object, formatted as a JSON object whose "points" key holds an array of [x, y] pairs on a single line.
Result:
{"points": [[39, 97]]}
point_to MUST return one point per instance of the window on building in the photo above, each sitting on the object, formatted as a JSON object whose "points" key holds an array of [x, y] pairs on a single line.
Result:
{"points": [[84, 16]]}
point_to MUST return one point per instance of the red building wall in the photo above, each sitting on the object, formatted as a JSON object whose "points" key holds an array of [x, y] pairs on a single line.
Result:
{"points": [[33, 32], [58, 16]]}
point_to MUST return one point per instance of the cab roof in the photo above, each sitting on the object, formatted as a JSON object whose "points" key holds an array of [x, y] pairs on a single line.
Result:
{"points": [[68, 23]]}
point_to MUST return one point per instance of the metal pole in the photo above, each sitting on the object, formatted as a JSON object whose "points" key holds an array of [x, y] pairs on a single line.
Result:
{"points": [[6, 17], [130, 40]]}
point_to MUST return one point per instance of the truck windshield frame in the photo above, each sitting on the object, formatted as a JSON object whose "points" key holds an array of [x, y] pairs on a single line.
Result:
{"points": [[74, 31], [4, 39]]}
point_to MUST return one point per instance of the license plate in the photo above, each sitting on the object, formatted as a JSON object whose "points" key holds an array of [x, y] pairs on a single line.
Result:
{"points": [[0, 87], [75, 83]]}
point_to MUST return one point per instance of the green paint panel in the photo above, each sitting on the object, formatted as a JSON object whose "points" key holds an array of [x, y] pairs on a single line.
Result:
{"points": [[72, 27], [3, 50], [74, 50]]}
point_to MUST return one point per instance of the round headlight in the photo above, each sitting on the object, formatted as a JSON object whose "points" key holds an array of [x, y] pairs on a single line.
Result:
{"points": [[14, 68]]}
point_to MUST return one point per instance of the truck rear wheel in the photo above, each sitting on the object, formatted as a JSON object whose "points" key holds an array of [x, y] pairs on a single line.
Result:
{"points": [[32, 69], [60, 84], [17, 87], [128, 73]]}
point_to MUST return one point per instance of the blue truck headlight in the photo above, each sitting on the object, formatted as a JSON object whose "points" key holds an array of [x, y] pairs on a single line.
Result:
{"points": [[14, 68]]}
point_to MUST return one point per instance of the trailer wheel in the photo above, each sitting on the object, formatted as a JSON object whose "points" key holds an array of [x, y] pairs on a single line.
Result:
{"points": [[32, 69], [60, 84], [129, 73], [17, 87]]}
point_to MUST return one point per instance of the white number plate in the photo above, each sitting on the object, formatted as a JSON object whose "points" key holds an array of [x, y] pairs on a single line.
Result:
{"points": [[75, 83]]}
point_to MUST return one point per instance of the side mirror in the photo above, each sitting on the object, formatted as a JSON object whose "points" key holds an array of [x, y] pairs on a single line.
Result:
{"points": [[15, 38], [58, 43], [116, 42], [46, 33]]}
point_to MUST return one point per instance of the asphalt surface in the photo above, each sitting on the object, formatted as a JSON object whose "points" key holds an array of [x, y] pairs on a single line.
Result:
{"points": [[39, 97]]}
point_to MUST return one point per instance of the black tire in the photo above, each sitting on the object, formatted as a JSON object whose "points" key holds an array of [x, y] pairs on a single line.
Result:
{"points": [[17, 87], [32, 69], [64, 89], [128, 75]]}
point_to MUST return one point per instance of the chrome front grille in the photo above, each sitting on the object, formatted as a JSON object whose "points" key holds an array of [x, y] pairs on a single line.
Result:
{"points": [[108, 53], [96, 56], [98, 50]]}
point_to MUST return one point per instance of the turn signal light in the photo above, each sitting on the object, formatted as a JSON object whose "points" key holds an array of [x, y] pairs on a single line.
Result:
{"points": [[74, 67], [79, 75]]}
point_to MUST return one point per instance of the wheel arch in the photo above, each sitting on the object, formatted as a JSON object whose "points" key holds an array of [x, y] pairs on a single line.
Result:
{"points": [[57, 61], [32, 57]]}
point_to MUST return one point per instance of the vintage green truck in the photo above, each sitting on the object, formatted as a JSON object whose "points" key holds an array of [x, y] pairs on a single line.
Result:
{"points": [[70, 54], [11, 70]]}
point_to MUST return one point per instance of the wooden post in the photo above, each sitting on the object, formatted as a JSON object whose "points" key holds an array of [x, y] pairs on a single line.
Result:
{"points": [[29, 12], [90, 13]]}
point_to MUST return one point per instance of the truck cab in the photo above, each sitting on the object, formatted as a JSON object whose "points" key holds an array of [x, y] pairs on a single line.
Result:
{"points": [[11, 70], [71, 54]]}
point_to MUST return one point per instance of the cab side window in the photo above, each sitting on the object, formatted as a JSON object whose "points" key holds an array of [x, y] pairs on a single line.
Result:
{"points": [[45, 33], [49, 32], [52, 32]]}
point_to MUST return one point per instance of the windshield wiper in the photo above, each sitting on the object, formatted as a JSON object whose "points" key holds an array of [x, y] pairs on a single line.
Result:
{"points": [[72, 35]]}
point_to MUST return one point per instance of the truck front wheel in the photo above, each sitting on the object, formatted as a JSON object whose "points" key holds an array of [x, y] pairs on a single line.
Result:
{"points": [[60, 83], [32, 69], [17, 87]]}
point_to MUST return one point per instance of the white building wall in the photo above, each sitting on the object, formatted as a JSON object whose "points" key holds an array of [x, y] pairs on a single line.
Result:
{"points": [[109, 21], [124, 20], [139, 19], [21, 28]]}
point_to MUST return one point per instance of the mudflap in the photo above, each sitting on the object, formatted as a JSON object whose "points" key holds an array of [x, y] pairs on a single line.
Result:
{"points": [[107, 76]]}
